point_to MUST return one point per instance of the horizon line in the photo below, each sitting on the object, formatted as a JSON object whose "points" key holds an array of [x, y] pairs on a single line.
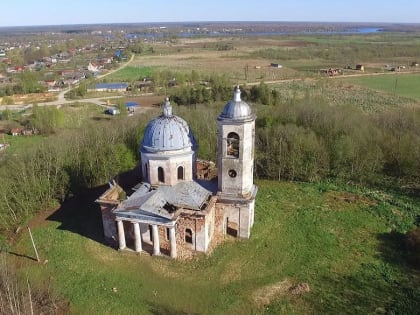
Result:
{"points": [[205, 21]]}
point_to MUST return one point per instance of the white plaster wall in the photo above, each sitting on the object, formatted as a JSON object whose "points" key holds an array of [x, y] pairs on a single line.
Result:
{"points": [[170, 164], [243, 165], [145, 233]]}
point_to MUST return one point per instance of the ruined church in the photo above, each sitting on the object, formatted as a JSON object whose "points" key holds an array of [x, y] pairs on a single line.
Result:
{"points": [[172, 211]]}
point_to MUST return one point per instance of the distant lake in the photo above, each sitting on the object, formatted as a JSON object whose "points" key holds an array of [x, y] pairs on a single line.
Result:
{"points": [[368, 30], [359, 30]]}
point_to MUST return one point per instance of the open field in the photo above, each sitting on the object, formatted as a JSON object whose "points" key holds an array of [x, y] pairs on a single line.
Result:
{"points": [[248, 59], [130, 73], [338, 242], [405, 85]]}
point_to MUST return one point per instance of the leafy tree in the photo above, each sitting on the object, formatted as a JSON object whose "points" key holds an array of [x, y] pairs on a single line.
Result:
{"points": [[122, 108], [46, 119], [29, 83]]}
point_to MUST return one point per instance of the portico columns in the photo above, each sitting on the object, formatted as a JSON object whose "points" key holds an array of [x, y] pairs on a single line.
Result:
{"points": [[172, 239], [156, 244], [137, 237], [121, 234]]}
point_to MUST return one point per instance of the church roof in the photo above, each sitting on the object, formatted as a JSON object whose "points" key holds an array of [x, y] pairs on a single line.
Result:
{"points": [[167, 132], [236, 109], [160, 204]]}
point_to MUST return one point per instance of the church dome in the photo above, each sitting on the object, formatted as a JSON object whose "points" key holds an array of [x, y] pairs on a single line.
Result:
{"points": [[236, 109], [167, 132]]}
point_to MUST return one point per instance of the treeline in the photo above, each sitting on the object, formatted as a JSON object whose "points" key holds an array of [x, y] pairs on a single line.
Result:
{"points": [[64, 164], [215, 89], [27, 83], [341, 52], [307, 139], [310, 140]]}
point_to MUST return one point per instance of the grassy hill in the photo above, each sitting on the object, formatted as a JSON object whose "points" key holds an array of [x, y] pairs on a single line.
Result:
{"points": [[346, 247]]}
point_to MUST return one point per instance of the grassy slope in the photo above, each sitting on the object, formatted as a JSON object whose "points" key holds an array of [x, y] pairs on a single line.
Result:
{"points": [[333, 240]]}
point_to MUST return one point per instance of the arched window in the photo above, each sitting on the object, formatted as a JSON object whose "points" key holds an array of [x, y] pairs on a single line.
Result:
{"points": [[181, 172], [161, 175], [145, 175], [232, 142], [188, 236]]}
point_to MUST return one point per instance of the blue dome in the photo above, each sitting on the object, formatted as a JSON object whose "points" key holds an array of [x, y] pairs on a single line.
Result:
{"points": [[167, 132], [236, 109]]}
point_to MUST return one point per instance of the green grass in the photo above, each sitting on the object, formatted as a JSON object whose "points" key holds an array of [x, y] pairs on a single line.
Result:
{"points": [[79, 113], [20, 142], [337, 242], [130, 73], [405, 85]]}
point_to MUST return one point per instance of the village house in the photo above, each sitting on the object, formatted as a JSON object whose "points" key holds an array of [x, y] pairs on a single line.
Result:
{"points": [[23, 131], [16, 131], [174, 213], [92, 67]]}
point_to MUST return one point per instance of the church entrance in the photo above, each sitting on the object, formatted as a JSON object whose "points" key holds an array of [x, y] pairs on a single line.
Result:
{"points": [[231, 228]]}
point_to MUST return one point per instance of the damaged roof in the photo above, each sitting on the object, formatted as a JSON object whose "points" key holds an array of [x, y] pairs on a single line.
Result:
{"points": [[159, 204]]}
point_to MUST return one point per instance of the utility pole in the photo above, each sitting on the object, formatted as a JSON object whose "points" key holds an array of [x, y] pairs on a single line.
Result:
{"points": [[33, 244]]}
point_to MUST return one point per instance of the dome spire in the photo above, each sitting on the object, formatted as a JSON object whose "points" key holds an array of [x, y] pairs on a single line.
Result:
{"points": [[237, 94], [167, 108]]}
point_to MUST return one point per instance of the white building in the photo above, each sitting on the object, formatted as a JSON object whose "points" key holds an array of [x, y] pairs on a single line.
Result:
{"points": [[171, 212]]}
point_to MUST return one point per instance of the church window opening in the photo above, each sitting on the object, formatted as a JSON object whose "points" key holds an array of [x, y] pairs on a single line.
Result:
{"points": [[145, 175], [167, 234], [180, 172], [161, 175], [231, 228], [232, 173], [188, 236], [232, 144]]}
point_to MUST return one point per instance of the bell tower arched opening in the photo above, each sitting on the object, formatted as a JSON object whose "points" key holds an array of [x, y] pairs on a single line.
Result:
{"points": [[232, 145]]}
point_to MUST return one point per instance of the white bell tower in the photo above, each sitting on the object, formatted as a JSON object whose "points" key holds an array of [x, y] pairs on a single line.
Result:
{"points": [[236, 138]]}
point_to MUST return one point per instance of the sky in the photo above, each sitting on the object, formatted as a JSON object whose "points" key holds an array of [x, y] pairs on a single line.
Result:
{"points": [[60, 12]]}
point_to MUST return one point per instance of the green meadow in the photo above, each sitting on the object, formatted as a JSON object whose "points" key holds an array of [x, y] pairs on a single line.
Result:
{"points": [[405, 85], [345, 245], [130, 73]]}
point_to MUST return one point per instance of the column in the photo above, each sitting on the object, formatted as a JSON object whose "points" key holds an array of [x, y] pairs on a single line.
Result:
{"points": [[137, 237], [172, 239], [156, 245], [121, 234]]}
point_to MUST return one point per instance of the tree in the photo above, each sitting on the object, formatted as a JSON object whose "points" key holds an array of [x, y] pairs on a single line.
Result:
{"points": [[29, 83], [46, 119], [122, 108]]}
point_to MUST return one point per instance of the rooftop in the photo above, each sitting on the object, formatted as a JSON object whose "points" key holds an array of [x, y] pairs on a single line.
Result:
{"points": [[236, 109], [112, 86], [160, 204], [167, 132]]}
